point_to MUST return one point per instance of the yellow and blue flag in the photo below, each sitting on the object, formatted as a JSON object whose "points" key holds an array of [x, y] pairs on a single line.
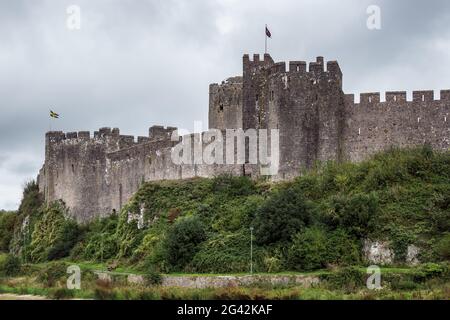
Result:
{"points": [[54, 114]]}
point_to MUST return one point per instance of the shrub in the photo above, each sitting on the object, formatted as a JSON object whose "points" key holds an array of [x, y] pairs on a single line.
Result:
{"points": [[226, 252], [7, 221], [65, 242], [347, 278], [233, 186], [182, 241], [431, 270], [100, 241], [29, 212], [153, 278], [281, 216], [54, 235], [401, 239], [343, 248], [442, 247], [355, 213], [308, 250], [52, 273], [10, 266]]}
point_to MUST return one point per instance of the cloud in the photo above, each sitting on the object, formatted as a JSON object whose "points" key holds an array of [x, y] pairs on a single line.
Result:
{"points": [[138, 63]]}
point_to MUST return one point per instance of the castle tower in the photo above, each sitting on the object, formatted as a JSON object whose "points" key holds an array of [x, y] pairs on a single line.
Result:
{"points": [[225, 104], [307, 106]]}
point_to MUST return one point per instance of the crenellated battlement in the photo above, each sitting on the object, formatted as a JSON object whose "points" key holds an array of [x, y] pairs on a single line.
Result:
{"points": [[256, 61], [160, 132], [110, 137], [399, 97], [314, 69]]}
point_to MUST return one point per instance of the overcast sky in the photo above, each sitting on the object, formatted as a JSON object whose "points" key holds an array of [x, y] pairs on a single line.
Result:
{"points": [[137, 63]]}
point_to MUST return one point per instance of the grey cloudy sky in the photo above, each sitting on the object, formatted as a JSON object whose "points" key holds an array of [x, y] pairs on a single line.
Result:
{"points": [[137, 63]]}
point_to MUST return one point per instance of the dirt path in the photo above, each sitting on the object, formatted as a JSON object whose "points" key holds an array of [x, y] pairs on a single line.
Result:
{"points": [[8, 296]]}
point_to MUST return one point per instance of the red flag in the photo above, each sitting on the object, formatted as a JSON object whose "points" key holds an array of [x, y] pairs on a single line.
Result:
{"points": [[268, 33]]}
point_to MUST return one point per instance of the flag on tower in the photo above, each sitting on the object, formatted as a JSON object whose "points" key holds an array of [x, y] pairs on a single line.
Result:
{"points": [[54, 114]]}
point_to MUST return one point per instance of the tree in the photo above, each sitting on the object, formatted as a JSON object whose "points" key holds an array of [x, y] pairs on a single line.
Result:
{"points": [[308, 250], [281, 216], [182, 241]]}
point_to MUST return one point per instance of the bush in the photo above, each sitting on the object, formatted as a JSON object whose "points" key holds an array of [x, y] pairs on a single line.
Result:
{"points": [[52, 273], [7, 221], [29, 212], [153, 278], [355, 213], [226, 252], [99, 241], [308, 250], [233, 186], [281, 216], [342, 248], [10, 266], [67, 240], [430, 271], [442, 247], [54, 235], [347, 278], [182, 241]]}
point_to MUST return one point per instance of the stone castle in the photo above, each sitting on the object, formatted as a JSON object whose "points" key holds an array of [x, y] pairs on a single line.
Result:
{"points": [[317, 121]]}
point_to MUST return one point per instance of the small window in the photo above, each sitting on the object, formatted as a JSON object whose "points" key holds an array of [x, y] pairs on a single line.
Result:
{"points": [[257, 97], [73, 168], [221, 107]]}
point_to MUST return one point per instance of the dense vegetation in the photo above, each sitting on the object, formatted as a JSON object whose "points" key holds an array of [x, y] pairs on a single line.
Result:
{"points": [[427, 281], [316, 221]]}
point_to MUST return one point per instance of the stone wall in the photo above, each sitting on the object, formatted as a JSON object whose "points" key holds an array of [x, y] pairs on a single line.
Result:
{"points": [[202, 282], [97, 176], [372, 126]]}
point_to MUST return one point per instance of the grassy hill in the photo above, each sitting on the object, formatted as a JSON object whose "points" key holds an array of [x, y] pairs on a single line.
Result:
{"points": [[316, 221]]}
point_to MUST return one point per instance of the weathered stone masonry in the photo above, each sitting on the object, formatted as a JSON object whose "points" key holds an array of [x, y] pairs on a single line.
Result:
{"points": [[317, 122]]}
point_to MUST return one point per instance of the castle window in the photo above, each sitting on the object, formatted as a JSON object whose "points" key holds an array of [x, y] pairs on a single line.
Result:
{"points": [[423, 97], [298, 68], [73, 169], [271, 95], [221, 107], [256, 97]]}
